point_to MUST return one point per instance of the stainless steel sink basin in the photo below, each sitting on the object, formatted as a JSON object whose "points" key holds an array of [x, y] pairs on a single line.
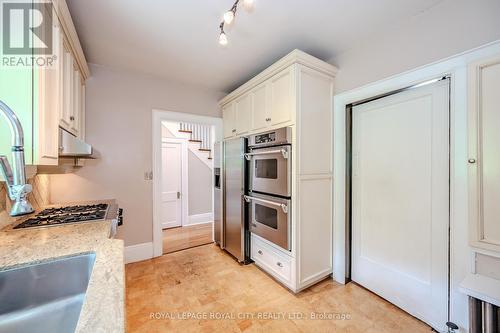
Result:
{"points": [[44, 297]]}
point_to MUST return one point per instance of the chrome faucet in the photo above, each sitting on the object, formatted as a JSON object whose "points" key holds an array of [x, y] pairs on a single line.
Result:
{"points": [[16, 177]]}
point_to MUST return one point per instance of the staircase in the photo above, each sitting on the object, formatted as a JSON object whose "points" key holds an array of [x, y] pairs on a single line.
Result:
{"points": [[199, 139]]}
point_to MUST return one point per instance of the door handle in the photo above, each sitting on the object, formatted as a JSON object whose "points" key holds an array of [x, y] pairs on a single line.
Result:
{"points": [[284, 207], [284, 152], [178, 195]]}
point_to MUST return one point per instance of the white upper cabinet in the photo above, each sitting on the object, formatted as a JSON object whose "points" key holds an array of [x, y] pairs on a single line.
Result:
{"points": [[67, 94], [228, 120], [260, 108], [282, 96], [484, 154], [243, 113], [269, 104]]}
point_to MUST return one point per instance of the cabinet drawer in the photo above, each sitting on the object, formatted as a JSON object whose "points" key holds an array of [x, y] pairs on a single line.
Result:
{"points": [[273, 262]]}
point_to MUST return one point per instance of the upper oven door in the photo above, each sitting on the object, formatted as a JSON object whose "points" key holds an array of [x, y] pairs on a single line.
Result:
{"points": [[270, 170]]}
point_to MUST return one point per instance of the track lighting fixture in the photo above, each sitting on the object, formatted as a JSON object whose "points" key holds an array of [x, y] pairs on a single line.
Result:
{"points": [[229, 17]]}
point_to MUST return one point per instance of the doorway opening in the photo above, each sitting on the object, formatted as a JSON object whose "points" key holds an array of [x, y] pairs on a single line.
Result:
{"points": [[186, 185]]}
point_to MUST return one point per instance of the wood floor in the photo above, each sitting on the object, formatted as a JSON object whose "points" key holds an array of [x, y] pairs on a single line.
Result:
{"points": [[180, 238], [204, 290]]}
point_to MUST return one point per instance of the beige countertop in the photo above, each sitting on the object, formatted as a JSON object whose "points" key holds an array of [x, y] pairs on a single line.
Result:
{"points": [[103, 308]]}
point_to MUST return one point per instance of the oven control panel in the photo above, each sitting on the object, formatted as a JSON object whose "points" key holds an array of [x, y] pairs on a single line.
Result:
{"points": [[265, 138], [279, 136]]}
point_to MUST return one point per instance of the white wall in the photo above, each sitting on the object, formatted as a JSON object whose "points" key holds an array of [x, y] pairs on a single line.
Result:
{"points": [[200, 186], [449, 28], [118, 125]]}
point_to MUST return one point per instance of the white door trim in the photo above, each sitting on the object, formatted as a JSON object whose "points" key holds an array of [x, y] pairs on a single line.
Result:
{"points": [[184, 176], [460, 263], [157, 117]]}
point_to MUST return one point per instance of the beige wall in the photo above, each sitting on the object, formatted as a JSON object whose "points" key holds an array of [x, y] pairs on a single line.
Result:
{"points": [[118, 125], [199, 186], [449, 28]]}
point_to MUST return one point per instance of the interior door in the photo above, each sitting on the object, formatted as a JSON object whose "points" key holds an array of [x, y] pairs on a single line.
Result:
{"points": [[171, 185], [400, 200]]}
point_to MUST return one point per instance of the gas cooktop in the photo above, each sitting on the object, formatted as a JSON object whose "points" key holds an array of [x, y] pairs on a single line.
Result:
{"points": [[65, 215]]}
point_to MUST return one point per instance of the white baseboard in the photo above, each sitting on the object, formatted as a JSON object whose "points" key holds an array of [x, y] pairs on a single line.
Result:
{"points": [[200, 218], [138, 252], [166, 225]]}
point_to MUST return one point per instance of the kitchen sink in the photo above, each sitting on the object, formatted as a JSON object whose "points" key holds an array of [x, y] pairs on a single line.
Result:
{"points": [[44, 297]]}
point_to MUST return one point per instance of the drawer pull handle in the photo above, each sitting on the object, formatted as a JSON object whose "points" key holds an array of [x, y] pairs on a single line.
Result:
{"points": [[279, 264], [259, 252]]}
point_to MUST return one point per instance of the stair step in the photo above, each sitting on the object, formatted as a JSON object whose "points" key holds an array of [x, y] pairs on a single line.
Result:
{"points": [[194, 140], [185, 131], [203, 149]]}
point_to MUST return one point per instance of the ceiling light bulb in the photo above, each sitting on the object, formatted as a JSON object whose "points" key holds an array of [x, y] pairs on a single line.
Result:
{"points": [[223, 39], [248, 3], [229, 17]]}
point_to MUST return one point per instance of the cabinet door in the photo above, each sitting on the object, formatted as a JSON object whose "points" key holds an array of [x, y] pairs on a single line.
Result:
{"points": [[484, 154], [77, 103], [228, 120], [243, 113], [47, 105], [68, 73], [260, 107], [282, 96]]}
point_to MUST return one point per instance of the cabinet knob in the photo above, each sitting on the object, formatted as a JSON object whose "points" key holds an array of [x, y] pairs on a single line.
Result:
{"points": [[279, 264], [72, 118], [472, 160], [268, 119], [234, 131], [259, 252]]}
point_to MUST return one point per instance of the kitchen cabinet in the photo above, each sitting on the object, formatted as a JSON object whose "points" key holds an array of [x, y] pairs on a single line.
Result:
{"points": [[243, 114], [229, 121], [46, 98], [295, 92], [270, 104], [260, 108], [282, 97], [484, 154]]}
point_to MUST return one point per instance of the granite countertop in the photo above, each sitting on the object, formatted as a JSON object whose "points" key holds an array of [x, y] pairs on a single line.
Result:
{"points": [[103, 307]]}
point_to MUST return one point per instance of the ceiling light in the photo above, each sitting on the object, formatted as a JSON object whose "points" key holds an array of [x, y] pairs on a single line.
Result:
{"points": [[229, 17], [222, 39]]}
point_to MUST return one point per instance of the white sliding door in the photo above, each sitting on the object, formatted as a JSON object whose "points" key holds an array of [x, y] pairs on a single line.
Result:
{"points": [[400, 199]]}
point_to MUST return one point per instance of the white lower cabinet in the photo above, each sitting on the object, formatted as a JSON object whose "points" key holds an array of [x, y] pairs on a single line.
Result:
{"points": [[276, 262]]}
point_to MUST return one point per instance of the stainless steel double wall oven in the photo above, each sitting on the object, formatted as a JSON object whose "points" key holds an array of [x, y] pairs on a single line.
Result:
{"points": [[270, 179]]}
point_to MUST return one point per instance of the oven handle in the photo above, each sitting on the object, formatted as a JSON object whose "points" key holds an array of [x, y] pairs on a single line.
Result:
{"points": [[284, 152], [283, 206]]}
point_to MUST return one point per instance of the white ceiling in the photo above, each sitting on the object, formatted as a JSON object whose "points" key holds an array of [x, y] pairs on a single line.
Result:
{"points": [[178, 40]]}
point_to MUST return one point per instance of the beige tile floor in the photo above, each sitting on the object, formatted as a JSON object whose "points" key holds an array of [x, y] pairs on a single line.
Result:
{"points": [[205, 281]]}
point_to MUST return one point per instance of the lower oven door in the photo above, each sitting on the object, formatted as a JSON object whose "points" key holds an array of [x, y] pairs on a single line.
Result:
{"points": [[270, 219], [270, 170]]}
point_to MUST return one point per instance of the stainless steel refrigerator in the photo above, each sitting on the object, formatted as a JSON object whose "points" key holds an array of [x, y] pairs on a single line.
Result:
{"points": [[218, 227], [236, 236]]}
